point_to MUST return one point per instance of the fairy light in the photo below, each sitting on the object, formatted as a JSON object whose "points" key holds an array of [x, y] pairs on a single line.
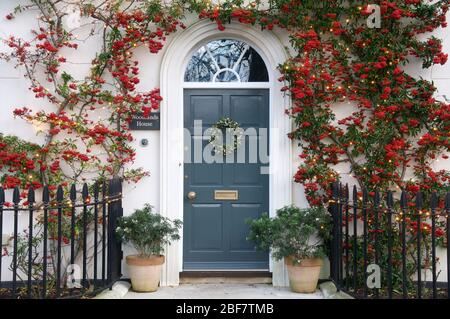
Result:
{"points": [[70, 204]]}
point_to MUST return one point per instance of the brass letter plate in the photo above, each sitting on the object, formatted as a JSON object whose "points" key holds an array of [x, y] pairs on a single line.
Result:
{"points": [[226, 194]]}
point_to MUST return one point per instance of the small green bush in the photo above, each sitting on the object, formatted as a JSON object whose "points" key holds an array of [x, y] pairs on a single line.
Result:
{"points": [[148, 232], [295, 232]]}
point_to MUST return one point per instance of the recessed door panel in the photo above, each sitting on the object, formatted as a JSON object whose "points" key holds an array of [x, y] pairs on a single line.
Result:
{"points": [[206, 224], [240, 213]]}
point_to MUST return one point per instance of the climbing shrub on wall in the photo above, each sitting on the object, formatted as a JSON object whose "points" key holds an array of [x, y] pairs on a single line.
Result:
{"points": [[86, 130], [397, 124]]}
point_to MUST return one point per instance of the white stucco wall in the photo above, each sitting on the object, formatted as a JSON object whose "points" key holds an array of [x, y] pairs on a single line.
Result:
{"points": [[14, 93]]}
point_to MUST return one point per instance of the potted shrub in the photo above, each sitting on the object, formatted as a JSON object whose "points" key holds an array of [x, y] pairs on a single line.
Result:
{"points": [[148, 232], [297, 235]]}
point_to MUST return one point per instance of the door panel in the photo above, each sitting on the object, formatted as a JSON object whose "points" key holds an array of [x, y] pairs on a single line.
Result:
{"points": [[206, 108], [247, 109], [207, 175], [247, 174], [215, 231], [206, 238], [239, 214]]}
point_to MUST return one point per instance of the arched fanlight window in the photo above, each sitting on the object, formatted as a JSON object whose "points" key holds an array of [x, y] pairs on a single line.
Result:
{"points": [[226, 61]]}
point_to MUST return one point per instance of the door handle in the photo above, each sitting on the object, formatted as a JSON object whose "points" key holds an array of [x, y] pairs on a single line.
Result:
{"points": [[191, 195]]}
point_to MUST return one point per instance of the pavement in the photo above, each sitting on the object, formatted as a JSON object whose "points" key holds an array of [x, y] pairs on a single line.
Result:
{"points": [[122, 290], [223, 291]]}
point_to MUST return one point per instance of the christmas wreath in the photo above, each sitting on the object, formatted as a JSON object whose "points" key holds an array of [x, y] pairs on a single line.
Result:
{"points": [[217, 133]]}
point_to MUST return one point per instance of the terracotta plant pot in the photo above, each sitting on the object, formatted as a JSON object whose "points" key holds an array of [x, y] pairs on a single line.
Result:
{"points": [[303, 276], [145, 272]]}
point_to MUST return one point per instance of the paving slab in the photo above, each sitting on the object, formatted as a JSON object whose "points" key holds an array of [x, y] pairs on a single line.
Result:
{"points": [[117, 291], [329, 291], [223, 291]]}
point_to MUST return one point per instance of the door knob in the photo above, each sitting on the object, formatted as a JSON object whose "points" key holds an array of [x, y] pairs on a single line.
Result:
{"points": [[191, 195]]}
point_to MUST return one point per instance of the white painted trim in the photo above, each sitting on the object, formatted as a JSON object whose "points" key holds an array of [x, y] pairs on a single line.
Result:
{"points": [[227, 85], [227, 70], [173, 65]]}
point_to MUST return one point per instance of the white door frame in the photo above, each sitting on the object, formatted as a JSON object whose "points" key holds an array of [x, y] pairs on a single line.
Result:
{"points": [[173, 66]]}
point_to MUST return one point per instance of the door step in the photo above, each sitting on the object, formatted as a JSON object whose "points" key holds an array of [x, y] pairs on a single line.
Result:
{"points": [[225, 277]]}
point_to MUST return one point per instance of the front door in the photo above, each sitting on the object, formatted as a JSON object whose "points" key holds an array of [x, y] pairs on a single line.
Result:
{"points": [[215, 228]]}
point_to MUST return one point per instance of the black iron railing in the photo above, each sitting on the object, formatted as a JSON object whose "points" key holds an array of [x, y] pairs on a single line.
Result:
{"points": [[62, 246], [390, 244]]}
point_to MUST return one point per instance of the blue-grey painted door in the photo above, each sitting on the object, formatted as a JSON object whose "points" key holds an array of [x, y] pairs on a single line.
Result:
{"points": [[215, 231]]}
